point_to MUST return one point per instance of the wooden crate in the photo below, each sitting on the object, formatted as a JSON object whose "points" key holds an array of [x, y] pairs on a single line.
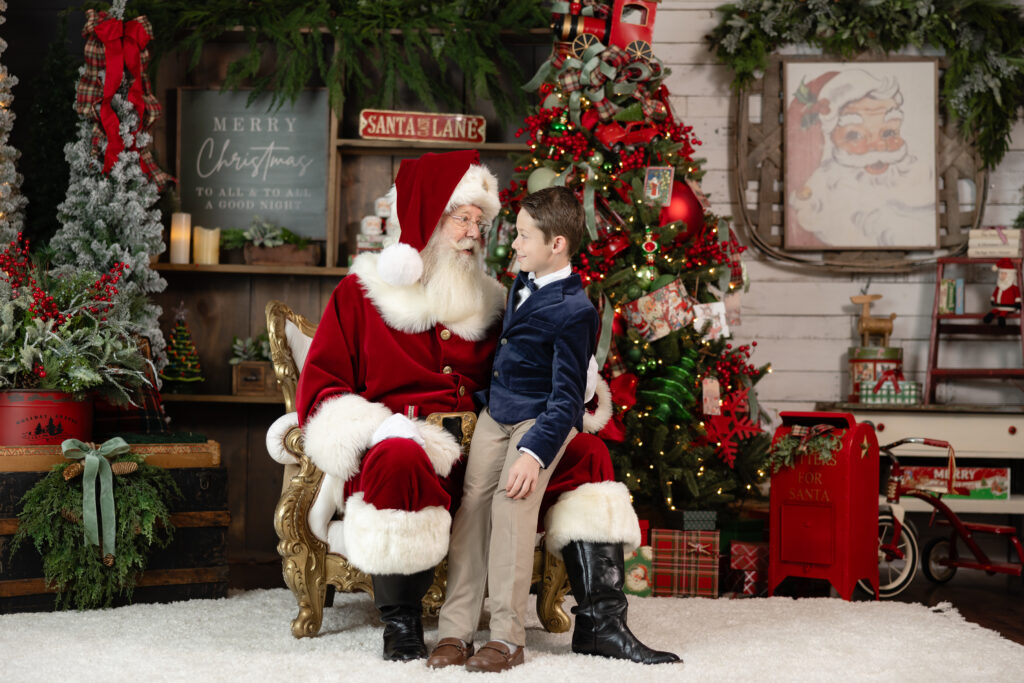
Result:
{"points": [[254, 378], [194, 565]]}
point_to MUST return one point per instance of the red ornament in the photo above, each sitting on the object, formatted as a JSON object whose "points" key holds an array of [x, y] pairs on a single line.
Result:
{"points": [[684, 206]]}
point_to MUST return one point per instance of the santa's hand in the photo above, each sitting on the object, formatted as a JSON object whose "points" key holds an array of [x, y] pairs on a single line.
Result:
{"points": [[591, 380], [397, 426]]}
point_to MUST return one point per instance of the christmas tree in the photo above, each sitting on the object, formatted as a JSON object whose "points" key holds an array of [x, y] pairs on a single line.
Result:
{"points": [[182, 356], [663, 270], [12, 202], [108, 214]]}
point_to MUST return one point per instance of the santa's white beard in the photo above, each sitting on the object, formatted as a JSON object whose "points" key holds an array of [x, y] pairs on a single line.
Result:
{"points": [[847, 206], [453, 280]]}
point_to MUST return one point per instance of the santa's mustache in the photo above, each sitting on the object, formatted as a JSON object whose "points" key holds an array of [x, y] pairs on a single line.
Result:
{"points": [[869, 158], [467, 244]]}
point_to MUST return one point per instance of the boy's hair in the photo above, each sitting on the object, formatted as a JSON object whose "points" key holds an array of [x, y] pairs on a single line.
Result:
{"points": [[557, 212]]}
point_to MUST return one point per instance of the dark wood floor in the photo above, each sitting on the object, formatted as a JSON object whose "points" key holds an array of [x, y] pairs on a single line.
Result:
{"points": [[994, 602]]}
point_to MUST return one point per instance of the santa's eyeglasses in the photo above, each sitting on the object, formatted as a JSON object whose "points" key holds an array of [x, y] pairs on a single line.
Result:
{"points": [[464, 221]]}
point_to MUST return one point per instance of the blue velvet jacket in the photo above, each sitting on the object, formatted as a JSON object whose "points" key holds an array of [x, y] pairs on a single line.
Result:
{"points": [[540, 367]]}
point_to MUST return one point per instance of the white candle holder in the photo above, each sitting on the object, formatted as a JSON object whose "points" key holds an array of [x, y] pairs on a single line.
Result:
{"points": [[181, 236]]}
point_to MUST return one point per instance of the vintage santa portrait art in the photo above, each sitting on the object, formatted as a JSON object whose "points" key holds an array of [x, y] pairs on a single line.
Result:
{"points": [[860, 155]]}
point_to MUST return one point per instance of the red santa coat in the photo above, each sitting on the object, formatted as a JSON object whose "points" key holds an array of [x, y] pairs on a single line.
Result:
{"points": [[1006, 301], [380, 349]]}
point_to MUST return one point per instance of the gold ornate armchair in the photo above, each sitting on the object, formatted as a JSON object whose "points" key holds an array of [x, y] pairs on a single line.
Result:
{"points": [[308, 564]]}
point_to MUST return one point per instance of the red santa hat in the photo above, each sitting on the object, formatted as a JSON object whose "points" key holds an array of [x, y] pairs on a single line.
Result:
{"points": [[425, 189], [1005, 264]]}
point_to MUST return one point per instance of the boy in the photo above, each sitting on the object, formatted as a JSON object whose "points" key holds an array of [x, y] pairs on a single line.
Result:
{"points": [[533, 407]]}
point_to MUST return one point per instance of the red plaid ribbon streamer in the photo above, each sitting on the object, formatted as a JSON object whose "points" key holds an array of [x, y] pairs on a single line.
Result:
{"points": [[113, 47], [652, 108], [808, 433], [685, 562], [895, 374]]}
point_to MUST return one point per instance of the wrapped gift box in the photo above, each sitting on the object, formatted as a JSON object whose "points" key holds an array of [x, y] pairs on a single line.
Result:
{"points": [[908, 393], [639, 573], [749, 564], [692, 520], [685, 562], [660, 312], [869, 363]]}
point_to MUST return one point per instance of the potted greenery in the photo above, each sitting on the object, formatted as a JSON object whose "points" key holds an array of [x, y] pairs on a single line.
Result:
{"points": [[61, 338], [266, 243], [252, 373]]}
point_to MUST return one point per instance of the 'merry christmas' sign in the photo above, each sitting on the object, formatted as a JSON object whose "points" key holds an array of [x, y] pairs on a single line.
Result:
{"points": [[237, 161], [414, 125]]}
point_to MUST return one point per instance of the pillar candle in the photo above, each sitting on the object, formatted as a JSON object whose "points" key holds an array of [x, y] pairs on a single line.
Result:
{"points": [[205, 245], [181, 233]]}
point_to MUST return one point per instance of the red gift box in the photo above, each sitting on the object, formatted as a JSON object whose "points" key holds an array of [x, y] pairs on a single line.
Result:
{"points": [[685, 562], [749, 556]]}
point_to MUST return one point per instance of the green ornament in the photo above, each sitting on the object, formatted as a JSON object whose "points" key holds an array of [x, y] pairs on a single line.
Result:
{"points": [[558, 127], [634, 291], [540, 178], [635, 354], [596, 159], [607, 167], [501, 251], [551, 101], [646, 275]]}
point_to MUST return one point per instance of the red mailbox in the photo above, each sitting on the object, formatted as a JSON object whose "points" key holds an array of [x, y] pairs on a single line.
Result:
{"points": [[824, 511]]}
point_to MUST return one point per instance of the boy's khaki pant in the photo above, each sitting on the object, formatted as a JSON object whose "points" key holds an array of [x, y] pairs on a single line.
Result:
{"points": [[493, 538]]}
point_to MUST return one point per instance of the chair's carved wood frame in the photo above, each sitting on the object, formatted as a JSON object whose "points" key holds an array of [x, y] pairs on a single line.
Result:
{"points": [[307, 564]]}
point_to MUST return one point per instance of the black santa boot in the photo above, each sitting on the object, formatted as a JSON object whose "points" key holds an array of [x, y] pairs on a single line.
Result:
{"points": [[595, 576], [399, 598]]}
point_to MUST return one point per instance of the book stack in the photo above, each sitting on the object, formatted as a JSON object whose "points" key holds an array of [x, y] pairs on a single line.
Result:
{"points": [[951, 296], [994, 242]]}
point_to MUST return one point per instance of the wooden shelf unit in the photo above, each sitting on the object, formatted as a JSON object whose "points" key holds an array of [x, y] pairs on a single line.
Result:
{"points": [[220, 398], [944, 326], [243, 269]]}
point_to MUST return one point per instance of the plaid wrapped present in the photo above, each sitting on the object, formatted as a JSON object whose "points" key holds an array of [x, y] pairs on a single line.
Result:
{"points": [[749, 556], [639, 575], [699, 520], [891, 392], [685, 562]]}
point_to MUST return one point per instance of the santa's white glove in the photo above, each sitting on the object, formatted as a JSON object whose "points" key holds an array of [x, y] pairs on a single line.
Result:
{"points": [[397, 426], [591, 380]]}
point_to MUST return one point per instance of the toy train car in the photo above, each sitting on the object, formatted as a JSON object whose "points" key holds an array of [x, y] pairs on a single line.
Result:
{"points": [[629, 25]]}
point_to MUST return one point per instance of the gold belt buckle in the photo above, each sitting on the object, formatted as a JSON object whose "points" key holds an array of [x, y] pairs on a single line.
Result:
{"points": [[458, 424]]}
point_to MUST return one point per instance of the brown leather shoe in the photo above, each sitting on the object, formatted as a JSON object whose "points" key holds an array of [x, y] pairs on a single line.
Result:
{"points": [[449, 652], [495, 657]]}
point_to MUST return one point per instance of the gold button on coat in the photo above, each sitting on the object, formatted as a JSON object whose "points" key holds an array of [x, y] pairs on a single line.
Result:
{"points": [[447, 369], [446, 334], [462, 391]]}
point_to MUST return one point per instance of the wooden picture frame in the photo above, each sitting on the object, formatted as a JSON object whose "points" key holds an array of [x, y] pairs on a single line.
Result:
{"points": [[757, 183], [860, 154]]}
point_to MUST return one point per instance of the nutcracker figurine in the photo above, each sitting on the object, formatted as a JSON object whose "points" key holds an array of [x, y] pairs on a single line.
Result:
{"points": [[1006, 296]]}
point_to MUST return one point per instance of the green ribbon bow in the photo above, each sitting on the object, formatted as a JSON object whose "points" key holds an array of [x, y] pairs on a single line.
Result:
{"points": [[96, 463]]}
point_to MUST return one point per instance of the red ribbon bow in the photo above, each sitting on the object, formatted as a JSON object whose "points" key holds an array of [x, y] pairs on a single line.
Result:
{"points": [[123, 42], [896, 375], [808, 433]]}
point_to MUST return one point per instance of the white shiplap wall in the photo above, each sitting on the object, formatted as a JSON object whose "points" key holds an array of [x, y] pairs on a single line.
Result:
{"points": [[804, 323]]}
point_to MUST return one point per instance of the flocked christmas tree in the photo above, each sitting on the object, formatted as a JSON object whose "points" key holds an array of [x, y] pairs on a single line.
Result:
{"points": [[12, 202], [662, 268], [183, 368], [109, 214]]}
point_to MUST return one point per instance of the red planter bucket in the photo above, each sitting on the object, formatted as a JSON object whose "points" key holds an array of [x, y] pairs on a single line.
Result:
{"points": [[36, 418]]}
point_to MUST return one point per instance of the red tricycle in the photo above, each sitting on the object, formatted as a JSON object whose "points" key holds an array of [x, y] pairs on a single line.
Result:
{"points": [[897, 538]]}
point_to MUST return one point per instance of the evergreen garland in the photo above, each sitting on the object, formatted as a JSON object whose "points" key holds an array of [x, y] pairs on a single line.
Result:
{"points": [[784, 451], [982, 87], [375, 47], [50, 519]]}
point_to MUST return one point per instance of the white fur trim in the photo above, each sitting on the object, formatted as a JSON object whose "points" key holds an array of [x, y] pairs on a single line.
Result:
{"points": [[400, 265], [394, 541], [323, 508], [408, 309], [275, 439], [338, 434], [441, 447], [478, 187], [595, 421], [596, 513], [336, 537]]}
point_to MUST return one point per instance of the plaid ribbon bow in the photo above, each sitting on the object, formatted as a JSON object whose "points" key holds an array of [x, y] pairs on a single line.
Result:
{"points": [[894, 374], [808, 433], [699, 548], [113, 47]]}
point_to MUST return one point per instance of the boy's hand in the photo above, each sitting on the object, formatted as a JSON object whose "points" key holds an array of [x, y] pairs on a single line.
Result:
{"points": [[522, 478]]}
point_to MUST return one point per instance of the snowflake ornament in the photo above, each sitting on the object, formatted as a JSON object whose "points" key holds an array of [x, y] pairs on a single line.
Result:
{"points": [[732, 425]]}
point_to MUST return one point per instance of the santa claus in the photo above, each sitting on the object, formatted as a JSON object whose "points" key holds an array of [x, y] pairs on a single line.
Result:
{"points": [[1006, 296], [412, 331], [851, 179]]}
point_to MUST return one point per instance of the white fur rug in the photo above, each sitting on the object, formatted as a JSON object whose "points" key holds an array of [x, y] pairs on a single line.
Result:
{"points": [[246, 637]]}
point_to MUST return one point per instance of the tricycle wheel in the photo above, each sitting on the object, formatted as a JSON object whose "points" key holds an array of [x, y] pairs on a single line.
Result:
{"points": [[936, 554], [896, 574]]}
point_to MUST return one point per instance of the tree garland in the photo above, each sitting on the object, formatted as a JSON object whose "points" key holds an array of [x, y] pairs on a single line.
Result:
{"points": [[51, 520], [982, 87], [377, 47], [785, 450]]}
